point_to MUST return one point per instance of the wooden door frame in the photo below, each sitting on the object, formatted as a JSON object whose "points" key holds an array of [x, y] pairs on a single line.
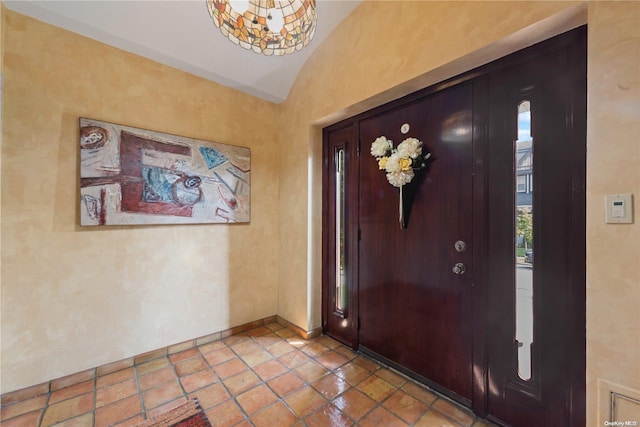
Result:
{"points": [[576, 331]]}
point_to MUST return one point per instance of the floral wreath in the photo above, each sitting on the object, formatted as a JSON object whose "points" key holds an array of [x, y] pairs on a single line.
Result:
{"points": [[399, 163]]}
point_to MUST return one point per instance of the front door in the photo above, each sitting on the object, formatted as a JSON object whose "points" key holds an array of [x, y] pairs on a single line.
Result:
{"points": [[414, 309], [481, 295]]}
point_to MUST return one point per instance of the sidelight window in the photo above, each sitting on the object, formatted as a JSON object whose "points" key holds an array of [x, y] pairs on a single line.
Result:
{"points": [[524, 240], [340, 302]]}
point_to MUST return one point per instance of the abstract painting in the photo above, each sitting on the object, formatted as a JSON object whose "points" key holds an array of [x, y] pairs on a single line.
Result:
{"points": [[135, 176]]}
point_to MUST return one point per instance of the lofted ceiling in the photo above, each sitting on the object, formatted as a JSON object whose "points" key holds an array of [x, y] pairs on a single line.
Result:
{"points": [[180, 34]]}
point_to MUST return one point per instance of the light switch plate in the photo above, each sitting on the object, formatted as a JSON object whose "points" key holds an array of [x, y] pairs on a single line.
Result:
{"points": [[618, 208]]}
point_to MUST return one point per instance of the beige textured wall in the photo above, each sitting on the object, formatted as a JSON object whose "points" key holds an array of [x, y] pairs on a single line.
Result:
{"points": [[74, 298], [613, 166], [366, 62]]}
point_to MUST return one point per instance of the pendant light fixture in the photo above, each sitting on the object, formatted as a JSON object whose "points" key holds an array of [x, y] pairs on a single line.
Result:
{"points": [[270, 27]]}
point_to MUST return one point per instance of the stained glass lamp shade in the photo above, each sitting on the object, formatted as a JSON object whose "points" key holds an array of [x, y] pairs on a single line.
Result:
{"points": [[270, 27]]}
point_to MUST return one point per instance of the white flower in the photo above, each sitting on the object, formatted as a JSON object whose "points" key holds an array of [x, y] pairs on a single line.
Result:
{"points": [[380, 146], [393, 163], [400, 178], [410, 147]]}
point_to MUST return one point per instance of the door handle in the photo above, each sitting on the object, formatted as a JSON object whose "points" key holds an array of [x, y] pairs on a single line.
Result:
{"points": [[459, 268]]}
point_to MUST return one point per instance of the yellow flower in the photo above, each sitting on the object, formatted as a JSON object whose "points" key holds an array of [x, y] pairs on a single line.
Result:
{"points": [[382, 163], [405, 164]]}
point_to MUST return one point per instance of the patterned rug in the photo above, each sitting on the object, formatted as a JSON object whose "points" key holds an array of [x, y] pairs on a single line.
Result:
{"points": [[189, 414]]}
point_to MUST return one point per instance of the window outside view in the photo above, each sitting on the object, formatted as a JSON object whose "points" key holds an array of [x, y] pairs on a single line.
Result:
{"points": [[524, 239]]}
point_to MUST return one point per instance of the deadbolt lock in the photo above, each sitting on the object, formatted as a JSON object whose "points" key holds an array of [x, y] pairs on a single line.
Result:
{"points": [[460, 246]]}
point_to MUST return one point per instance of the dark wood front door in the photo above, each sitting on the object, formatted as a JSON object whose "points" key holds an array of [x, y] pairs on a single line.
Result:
{"points": [[414, 310], [506, 337]]}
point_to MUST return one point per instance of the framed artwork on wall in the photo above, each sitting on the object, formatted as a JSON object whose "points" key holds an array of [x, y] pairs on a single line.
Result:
{"points": [[132, 176]]}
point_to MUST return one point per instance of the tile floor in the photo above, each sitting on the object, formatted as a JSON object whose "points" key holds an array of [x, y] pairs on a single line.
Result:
{"points": [[267, 376]]}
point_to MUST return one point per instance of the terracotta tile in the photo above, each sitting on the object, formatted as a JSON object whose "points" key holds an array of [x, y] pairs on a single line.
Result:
{"points": [[405, 407], [131, 422], [280, 348], [241, 382], [257, 332], [212, 346], [183, 355], [270, 370], [330, 386], [180, 347], [115, 377], [354, 403], [152, 365], [346, 352], [305, 401], [149, 356], [328, 415], [25, 420], [352, 373], [23, 407], [81, 421], [207, 339], [454, 412], [161, 394], [376, 388], [420, 393], [211, 396], [231, 332], [226, 415], [190, 366], [255, 399], [435, 419], [198, 380], [381, 417], [114, 367], [293, 359], [314, 349], [117, 412], [286, 383], [328, 342], [274, 415], [219, 356], [274, 327], [157, 377], [230, 368], [236, 339], [310, 371], [165, 407], [391, 377], [267, 340], [366, 363], [332, 360], [25, 393], [298, 342], [72, 379], [115, 392], [257, 357], [244, 423], [245, 347], [285, 333], [69, 408]]}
